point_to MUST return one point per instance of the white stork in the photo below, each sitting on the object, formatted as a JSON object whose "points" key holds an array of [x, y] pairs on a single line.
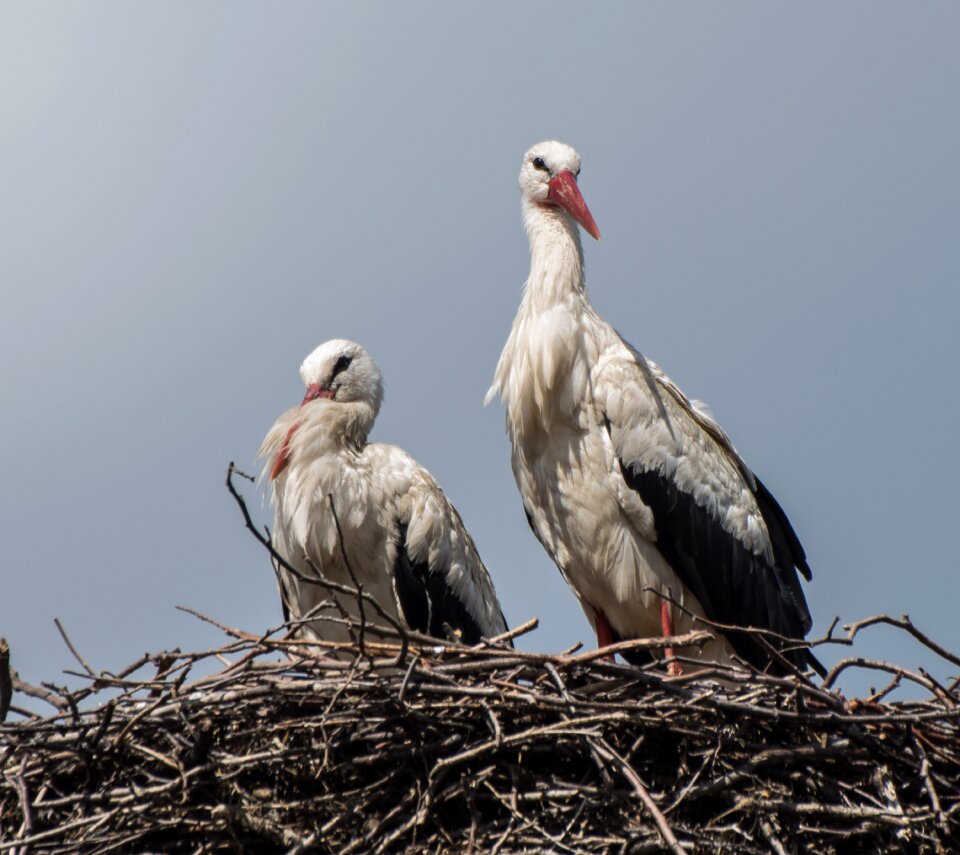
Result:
{"points": [[633, 489], [403, 540]]}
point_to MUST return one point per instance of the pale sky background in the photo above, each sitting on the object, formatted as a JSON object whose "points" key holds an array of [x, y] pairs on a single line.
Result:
{"points": [[194, 195]]}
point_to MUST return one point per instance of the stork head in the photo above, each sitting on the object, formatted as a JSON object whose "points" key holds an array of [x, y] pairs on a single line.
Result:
{"points": [[337, 371], [548, 177], [342, 371]]}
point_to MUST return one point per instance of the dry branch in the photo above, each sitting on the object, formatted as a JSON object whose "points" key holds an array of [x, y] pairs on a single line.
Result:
{"points": [[6, 680]]}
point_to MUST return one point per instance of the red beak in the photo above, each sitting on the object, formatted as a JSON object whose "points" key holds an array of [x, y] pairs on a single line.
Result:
{"points": [[314, 391], [565, 193]]}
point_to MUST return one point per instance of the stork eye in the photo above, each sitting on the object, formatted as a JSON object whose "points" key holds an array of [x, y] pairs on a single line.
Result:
{"points": [[539, 163], [342, 364]]}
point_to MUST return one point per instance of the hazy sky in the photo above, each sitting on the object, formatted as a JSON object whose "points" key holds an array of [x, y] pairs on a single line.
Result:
{"points": [[193, 196]]}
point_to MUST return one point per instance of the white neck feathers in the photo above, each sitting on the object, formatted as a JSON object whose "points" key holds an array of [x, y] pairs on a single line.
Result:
{"points": [[541, 372], [556, 256], [344, 424]]}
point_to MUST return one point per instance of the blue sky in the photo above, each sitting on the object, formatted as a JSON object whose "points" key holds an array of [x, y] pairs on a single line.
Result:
{"points": [[195, 195]]}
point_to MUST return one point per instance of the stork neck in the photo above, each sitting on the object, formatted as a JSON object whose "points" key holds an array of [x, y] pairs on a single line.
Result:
{"points": [[556, 256], [338, 425]]}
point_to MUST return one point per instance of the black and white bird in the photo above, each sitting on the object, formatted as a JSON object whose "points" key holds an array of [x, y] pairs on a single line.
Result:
{"points": [[404, 541], [633, 489]]}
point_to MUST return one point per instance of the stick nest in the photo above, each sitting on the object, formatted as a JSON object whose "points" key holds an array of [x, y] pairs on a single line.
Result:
{"points": [[405, 747]]}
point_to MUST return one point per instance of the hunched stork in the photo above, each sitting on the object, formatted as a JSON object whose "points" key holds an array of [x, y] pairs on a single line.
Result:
{"points": [[403, 540], [633, 489]]}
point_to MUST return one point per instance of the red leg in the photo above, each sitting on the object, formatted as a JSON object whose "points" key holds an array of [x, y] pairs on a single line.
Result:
{"points": [[666, 624], [604, 632]]}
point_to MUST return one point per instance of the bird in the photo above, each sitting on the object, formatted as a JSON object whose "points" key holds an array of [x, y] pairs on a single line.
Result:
{"points": [[366, 514], [634, 490]]}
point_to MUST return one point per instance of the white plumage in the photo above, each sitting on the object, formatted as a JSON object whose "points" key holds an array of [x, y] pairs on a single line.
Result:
{"points": [[403, 539], [634, 490]]}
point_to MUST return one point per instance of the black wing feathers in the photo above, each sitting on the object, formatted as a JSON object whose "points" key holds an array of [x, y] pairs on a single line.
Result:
{"points": [[786, 544], [427, 601], [787, 550], [733, 585]]}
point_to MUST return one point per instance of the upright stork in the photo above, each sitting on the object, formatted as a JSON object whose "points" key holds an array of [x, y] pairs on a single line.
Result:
{"points": [[352, 510], [633, 489]]}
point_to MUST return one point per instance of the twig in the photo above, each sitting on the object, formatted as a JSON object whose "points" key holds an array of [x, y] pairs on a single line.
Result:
{"points": [[659, 819], [930, 787], [906, 624], [73, 650], [879, 665], [26, 805], [695, 638], [511, 634], [39, 692], [766, 828]]}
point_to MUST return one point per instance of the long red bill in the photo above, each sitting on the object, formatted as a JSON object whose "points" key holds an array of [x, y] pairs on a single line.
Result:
{"points": [[565, 193], [314, 391]]}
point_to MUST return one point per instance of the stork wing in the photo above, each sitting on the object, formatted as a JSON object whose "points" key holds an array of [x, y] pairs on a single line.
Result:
{"points": [[719, 528], [441, 585]]}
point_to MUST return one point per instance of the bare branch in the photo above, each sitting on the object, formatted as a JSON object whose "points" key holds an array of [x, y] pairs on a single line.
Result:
{"points": [[6, 681], [906, 624], [73, 650]]}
